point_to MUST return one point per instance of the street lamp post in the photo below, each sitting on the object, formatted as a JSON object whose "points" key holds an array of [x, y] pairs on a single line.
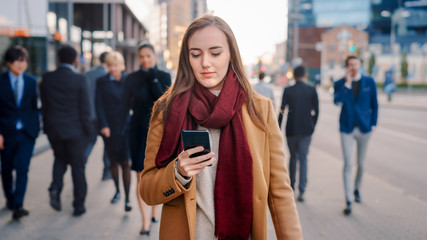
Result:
{"points": [[397, 14]]}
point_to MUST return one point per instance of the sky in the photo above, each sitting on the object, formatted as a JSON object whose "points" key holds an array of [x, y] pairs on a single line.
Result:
{"points": [[257, 24]]}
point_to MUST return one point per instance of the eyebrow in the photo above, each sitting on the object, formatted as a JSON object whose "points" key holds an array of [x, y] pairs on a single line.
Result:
{"points": [[211, 48]]}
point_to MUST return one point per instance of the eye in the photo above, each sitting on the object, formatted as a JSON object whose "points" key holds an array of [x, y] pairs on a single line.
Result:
{"points": [[195, 55], [216, 53]]}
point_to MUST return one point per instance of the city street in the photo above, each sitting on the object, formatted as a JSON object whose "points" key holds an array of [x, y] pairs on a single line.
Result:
{"points": [[394, 199], [394, 188]]}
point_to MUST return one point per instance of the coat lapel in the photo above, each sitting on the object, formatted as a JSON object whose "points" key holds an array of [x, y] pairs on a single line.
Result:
{"points": [[362, 86], [7, 90]]}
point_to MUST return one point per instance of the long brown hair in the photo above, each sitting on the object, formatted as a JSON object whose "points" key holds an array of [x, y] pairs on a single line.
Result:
{"points": [[185, 77]]}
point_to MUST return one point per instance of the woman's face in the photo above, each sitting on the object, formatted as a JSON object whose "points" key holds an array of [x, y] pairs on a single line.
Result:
{"points": [[17, 67], [147, 58], [209, 56], [114, 69]]}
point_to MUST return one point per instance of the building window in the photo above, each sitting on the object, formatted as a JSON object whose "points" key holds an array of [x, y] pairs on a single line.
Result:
{"points": [[331, 64], [331, 48]]}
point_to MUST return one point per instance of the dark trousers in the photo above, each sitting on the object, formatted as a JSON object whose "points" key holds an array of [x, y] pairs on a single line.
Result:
{"points": [[16, 155], [298, 149], [72, 152]]}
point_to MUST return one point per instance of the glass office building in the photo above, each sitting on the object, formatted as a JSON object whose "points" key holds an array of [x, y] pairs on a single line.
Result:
{"points": [[373, 16], [333, 13]]}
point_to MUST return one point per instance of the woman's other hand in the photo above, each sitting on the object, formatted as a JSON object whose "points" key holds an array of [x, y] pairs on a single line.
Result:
{"points": [[189, 167], [106, 132]]}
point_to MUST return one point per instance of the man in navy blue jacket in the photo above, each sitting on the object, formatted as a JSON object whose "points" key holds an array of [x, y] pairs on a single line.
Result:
{"points": [[19, 127], [357, 95]]}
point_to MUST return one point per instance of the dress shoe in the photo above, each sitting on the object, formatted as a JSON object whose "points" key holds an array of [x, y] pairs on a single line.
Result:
{"points": [[19, 212], [55, 203], [116, 198], [347, 210], [78, 212], [144, 232], [128, 207], [301, 197], [154, 220], [9, 205], [357, 196]]}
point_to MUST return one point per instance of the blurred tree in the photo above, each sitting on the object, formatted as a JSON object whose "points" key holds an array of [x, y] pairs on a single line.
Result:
{"points": [[371, 64], [404, 69]]}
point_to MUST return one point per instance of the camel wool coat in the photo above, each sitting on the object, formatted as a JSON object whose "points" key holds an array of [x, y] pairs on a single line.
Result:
{"points": [[270, 182]]}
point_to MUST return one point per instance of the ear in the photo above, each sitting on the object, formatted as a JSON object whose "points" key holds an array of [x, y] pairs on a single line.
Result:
{"points": [[76, 62]]}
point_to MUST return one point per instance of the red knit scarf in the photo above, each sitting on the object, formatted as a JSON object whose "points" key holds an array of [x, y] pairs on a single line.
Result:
{"points": [[233, 184]]}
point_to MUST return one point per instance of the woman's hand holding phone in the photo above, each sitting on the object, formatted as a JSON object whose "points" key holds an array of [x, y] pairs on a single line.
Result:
{"points": [[191, 166]]}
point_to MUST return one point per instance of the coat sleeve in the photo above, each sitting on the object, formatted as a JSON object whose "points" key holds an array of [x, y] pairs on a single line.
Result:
{"points": [[158, 185], [315, 106], [374, 104], [85, 107], [282, 108], [100, 105], [280, 194], [127, 101], [43, 102], [341, 92]]}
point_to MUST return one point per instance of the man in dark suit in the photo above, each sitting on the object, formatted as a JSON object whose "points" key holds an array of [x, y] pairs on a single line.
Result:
{"points": [[302, 118], [93, 75], [19, 127], [67, 123], [357, 95]]}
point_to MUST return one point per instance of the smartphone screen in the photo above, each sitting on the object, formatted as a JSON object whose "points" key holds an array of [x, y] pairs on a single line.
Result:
{"points": [[195, 138]]}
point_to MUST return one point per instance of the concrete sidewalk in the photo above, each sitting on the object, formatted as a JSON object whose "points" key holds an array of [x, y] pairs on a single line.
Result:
{"points": [[385, 213]]}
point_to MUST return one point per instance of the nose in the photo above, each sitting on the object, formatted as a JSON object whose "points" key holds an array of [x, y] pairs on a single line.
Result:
{"points": [[205, 61]]}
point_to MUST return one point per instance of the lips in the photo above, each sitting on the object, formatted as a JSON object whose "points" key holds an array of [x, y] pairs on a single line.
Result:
{"points": [[207, 74]]}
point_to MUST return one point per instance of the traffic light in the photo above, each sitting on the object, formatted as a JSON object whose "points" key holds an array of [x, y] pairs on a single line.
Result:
{"points": [[351, 46]]}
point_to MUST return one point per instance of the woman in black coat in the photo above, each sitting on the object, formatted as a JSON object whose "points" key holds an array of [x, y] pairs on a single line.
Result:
{"points": [[108, 102], [141, 90]]}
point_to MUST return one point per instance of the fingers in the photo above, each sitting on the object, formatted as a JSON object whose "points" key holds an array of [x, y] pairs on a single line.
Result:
{"points": [[1, 142], [190, 166], [194, 169]]}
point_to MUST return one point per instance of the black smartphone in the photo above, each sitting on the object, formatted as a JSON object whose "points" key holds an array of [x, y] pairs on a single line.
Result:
{"points": [[195, 138]]}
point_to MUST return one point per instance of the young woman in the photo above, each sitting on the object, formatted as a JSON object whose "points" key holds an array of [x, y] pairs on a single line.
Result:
{"points": [[108, 101], [229, 199], [142, 89]]}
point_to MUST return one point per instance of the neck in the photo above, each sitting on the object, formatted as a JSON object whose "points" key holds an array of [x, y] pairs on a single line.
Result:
{"points": [[117, 77], [15, 74]]}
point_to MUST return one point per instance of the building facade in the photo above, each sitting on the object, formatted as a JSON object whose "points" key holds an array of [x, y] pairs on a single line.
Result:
{"points": [[338, 43], [395, 28], [24, 23], [94, 26], [171, 21]]}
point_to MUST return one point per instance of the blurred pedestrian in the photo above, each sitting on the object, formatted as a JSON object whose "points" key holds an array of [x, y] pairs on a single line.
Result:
{"points": [[227, 200], [67, 123], [264, 88], [19, 127], [142, 89], [109, 95], [357, 95], [93, 75], [303, 105]]}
